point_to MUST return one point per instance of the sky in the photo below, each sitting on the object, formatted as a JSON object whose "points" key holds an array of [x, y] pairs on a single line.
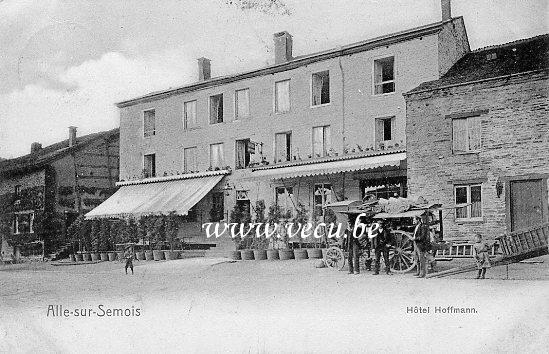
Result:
{"points": [[65, 63]]}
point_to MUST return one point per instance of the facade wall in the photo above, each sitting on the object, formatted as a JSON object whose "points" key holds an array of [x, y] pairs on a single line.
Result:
{"points": [[351, 113], [452, 44], [514, 143]]}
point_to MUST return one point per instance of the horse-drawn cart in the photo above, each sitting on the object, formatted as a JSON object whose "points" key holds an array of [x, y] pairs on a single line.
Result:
{"points": [[399, 214]]}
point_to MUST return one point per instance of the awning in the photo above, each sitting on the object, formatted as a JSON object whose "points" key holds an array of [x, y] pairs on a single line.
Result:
{"points": [[161, 196], [330, 167]]}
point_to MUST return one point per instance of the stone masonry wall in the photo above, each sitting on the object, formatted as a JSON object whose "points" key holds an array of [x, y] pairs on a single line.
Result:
{"points": [[515, 142]]}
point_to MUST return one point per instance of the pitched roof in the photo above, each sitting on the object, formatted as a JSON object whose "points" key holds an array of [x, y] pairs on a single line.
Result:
{"points": [[51, 153], [516, 57], [299, 61]]}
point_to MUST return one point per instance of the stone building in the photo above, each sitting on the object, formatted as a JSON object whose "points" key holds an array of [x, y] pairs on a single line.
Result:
{"points": [[309, 129], [42, 193], [478, 139]]}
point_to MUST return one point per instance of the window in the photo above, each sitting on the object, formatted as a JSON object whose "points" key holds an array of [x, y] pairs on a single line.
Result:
{"points": [[217, 158], [149, 165], [148, 123], [283, 198], [468, 200], [216, 109], [323, 194], [384, 76], [189, 160], [283, 147], [320, 88], [189, 115], [17, 192], [242, 104], [321, 141], [466, 134], [217, 213], [242, 154], [24, 223], [282, 96], [385, 129]]}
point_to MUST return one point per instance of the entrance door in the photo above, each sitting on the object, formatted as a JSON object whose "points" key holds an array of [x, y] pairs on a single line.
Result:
{"points": [[526, 204]]}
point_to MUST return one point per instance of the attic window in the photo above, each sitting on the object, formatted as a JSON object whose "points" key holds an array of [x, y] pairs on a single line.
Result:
{"points": [[491, 56]]}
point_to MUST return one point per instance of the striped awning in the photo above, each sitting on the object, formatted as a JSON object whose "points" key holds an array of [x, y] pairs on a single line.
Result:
{"points": [[331, 167], [158, 197]]}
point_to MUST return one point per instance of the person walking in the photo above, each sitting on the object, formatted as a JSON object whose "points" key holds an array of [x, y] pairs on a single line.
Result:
{"points": [[421, 246], [128, 255], [480, 253], [382, 243]]}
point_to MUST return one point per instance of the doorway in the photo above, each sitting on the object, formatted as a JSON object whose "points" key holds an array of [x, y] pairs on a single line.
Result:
{"points": [[526, 203]]}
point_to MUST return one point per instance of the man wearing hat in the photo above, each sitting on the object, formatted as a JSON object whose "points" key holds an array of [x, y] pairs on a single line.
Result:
{"points": [[353, 246], [382, 241], [422, 245]]}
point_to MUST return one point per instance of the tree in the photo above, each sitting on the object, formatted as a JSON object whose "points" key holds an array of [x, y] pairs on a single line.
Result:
{"points": [[104, 235], [172, 223], [94, 236], [300, 219], [259, 211]]}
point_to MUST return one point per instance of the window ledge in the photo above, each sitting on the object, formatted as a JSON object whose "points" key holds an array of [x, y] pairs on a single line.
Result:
{"points": [[465, 152], [321, 105], [469, 221], [284, 112], [383, 94]]}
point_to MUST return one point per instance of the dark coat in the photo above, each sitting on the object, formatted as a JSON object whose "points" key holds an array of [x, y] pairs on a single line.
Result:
{"points": [[422, 236], [383, 238]]}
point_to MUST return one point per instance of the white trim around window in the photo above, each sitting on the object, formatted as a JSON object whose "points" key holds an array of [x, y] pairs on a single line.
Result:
{"points": [[377, 59], [16, 230], [311, 94], [468, 209]]}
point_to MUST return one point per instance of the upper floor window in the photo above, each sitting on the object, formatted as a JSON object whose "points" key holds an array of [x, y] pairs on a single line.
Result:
{"points": [[321, 141], [384, 75], [149, 165], [216, 109], [189, 115], [217, 158], [320, 88], [242, 154], [282, 96], [242, 104], [468, 201], [189, 160], [23, 223], [385, 129], [148, 123], [283, 147], [466, 134]]}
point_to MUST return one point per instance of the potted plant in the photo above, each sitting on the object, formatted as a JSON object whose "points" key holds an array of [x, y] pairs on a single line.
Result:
{"points": [[146, 226], [95, 228], [273, 218], [113, 238], [133, 235], [241, 215], [259, 244], [104, 234], [159, 237], [172, 227], [300, 218]]}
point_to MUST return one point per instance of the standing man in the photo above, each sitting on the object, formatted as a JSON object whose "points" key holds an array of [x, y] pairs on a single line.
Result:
{"points": [[353, 246], [382, 242], [422, 245]]}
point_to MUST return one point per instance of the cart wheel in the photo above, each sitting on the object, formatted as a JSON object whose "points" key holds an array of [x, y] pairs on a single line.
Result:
{"points": [[334, 258], [401, 256]]}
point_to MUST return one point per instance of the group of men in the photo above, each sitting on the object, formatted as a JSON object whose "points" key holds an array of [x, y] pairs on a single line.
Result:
{"points": [[381, 242]]}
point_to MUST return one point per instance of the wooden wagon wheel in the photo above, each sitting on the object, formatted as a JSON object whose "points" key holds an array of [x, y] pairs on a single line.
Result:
{"points": [[401, 256], [335, 258]]}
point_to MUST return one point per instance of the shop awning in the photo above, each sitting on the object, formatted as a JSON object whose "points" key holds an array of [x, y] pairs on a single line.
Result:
{"points": [[157, 196], [345, 164]]}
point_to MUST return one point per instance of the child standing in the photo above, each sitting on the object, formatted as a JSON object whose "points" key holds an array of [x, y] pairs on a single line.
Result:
{"points": [[129, 259], [480, 252]]}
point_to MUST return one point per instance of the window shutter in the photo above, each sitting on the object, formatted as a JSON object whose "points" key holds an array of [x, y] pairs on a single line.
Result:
{"points": [[474, 130], [317, 141], [327, 139], [459, 129], [379, 130]]}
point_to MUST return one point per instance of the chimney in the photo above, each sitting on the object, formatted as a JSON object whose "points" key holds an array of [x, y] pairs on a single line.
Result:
{"points": [[72, 136], [204, 71], [283, 47], [446, 7], [35, 147]]}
